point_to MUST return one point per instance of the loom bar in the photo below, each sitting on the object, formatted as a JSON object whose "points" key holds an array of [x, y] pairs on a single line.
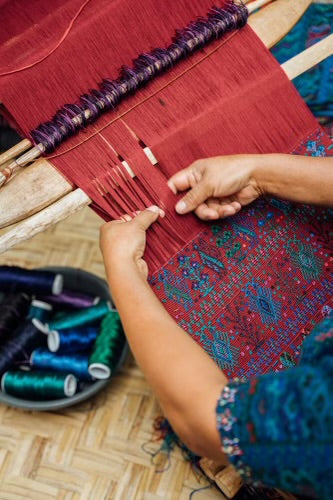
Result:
{"points": [[309, 58], [15, 151], [68, 205]]}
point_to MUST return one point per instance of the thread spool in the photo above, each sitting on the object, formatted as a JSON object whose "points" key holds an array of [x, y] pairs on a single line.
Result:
{"points": [[38, 385], [12, 311], [17, 279], [40, 311], [72, 340], [77, 364], [72, 300], [80, 318], [107, 347], [19, 346]]}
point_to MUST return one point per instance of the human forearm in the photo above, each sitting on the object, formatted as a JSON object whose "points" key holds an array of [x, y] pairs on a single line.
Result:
{"points": [[296, 178], [185, 380]]}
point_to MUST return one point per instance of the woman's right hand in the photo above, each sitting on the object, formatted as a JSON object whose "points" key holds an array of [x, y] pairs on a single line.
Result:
{"points": [[217, 187]]}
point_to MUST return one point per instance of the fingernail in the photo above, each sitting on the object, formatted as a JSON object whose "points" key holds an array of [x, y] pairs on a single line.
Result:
{"points": [[154, 209], [181, 207], [172, 187]]}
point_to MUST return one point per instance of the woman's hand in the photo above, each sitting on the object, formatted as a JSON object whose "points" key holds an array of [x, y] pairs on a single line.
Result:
{"points": [[123, 241], [218, 187]]}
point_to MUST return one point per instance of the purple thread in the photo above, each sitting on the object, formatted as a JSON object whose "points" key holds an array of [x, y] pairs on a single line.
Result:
{"points": [[146, 67], [73, 300]]}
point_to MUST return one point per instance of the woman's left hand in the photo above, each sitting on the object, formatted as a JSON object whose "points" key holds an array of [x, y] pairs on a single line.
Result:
{"points": [[124, 241]]}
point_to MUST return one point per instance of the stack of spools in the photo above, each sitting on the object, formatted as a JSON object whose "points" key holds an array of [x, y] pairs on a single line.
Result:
{"points": [[54, 341]]}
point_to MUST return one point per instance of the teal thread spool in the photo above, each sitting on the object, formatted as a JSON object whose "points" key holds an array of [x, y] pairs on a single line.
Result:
{"points": [[82, 317], [39, 312], [38, 385], [107, 347]]}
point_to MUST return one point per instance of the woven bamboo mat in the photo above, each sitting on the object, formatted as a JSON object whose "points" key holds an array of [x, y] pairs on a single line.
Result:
{"points": [[92, 451]]}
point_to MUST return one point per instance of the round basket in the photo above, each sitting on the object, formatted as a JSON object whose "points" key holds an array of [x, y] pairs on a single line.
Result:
{"points": [[81, 281]]}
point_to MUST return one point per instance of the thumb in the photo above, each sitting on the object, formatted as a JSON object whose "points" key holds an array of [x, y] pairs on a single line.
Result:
{"points": [[148, 216], [193, 198]]}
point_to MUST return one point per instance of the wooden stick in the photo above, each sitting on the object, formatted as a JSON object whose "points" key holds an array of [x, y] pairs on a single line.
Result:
{"points": [[76, 200], [309, 58], [37, 223], [15, 151], [277, 23], [37, 177]]}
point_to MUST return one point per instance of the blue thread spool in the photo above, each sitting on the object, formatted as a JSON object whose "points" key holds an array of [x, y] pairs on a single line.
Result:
{"points": [[77, 364], [13, 279], [72, 340]]}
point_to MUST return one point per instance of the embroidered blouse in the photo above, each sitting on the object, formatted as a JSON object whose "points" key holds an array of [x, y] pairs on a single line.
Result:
{"points": [[278, 428]]}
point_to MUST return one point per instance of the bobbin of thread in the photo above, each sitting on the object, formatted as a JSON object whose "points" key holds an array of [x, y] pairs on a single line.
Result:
{"points": [[42, 327], [58, 284], [39, 311], [70, 384], [99, 371]]}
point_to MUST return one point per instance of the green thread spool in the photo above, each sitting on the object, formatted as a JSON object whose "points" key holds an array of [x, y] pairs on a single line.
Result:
{"points": [[39, 312], [107, 347], [81, 317], [38, 385]]}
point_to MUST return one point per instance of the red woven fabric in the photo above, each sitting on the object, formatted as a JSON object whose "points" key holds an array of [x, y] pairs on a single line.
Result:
{"points": [[231, 97]]}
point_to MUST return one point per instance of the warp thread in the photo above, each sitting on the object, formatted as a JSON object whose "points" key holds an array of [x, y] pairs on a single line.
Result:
{"points": [[31, 281], [73, 117], [77, 364], [38, 385], [107, 347]]}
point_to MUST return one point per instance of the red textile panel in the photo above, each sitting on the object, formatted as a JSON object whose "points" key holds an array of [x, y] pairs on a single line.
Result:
{"points": [[106, 35]]}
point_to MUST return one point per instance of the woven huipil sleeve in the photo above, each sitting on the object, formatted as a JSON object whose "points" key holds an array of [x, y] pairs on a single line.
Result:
{"points": [[278, 428]]}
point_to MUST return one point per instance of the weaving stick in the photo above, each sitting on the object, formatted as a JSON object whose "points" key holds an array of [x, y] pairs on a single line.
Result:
{"points": [[270, 35], [76, 200], [274, 30]]}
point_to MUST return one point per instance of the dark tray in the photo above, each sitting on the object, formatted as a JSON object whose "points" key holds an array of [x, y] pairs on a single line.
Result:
{"points": [[84, 282]]}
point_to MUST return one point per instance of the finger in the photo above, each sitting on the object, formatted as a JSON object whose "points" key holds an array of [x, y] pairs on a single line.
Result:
{"points": [[206, 212], [227, 210], [185, 179], [197, 195], [125, 217], [148, 216]]}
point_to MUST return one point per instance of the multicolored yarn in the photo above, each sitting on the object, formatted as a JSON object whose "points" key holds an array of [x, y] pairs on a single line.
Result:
{"points": [[316, 85], [73, 117]]}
